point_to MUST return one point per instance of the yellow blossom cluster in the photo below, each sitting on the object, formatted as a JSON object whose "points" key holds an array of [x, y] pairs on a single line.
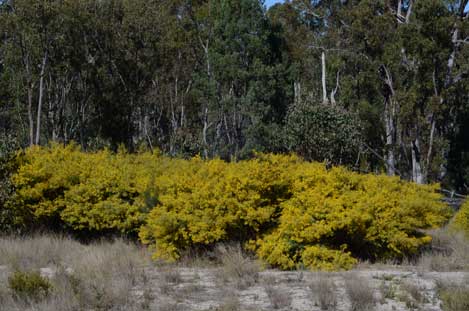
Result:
{"points": [[290, 212]]}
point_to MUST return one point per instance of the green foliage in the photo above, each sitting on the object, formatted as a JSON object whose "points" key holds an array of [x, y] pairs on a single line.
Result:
{"points": [[226, 78], [323, 132], [29, 286], [245, 81], [7, 168]]}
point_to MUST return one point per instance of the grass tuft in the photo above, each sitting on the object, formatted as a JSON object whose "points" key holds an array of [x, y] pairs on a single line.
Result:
{"points": [[359, 292], [237, 267], [324, 290]]}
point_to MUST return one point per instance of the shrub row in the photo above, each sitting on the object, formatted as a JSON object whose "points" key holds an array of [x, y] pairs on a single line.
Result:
{"points": [[289, 212]]}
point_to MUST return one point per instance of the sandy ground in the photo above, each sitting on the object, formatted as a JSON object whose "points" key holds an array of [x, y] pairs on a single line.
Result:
{"points": [[204, 289], [200, 289]]}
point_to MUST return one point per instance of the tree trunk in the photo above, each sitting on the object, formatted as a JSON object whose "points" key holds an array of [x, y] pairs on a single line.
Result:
{"points": [[409, 11], [334, 91], [204, 133], [390, 113], [30, 114], [323, 78], [41, 94], [417, 172], [297, 90], [390, 127], [30, 87]]}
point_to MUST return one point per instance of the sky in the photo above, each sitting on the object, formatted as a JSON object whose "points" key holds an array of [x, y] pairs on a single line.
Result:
{"points": [[268, 3]]}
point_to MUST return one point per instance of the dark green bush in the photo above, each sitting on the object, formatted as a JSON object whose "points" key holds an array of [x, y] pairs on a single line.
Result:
{"points": [[7, 167], [323, 132]]}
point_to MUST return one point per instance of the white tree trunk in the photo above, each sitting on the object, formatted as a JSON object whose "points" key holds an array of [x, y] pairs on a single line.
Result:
{"points": [[297, 90], [30, 114], [390, 113], [41, 95], [334, 91], [417, 172], [204, 132], [390, 127], [323, 78]]}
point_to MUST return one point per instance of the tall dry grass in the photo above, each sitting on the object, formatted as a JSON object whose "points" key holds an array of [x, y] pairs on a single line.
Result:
{"points": [[449, 251], [360, 292], [98, 276]]}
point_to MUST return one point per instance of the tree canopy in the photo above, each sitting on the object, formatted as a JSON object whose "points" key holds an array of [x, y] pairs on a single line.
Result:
{"points": [[378, 85]]}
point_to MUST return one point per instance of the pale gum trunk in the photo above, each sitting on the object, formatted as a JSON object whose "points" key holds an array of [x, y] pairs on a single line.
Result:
{"points": [[323, 78], [390, 130], [41, 95], [417, 172]]}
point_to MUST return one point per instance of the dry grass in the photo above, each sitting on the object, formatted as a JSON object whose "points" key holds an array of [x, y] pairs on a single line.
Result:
{"points": [[388, 290], [170, 306], [324, 292], [449, 251], [360, 293], [230, 303], [117, 275], [454, 296], [279, 299], [99, 276], [170, 275], [412, 295], [37, 252], [237, 267]]}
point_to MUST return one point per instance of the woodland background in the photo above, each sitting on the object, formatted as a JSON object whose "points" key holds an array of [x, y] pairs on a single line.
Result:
{"points": [[376, 85]]}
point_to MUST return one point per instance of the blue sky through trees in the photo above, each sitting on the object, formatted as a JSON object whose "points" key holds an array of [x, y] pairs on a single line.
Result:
{"points": [[269, 3]]}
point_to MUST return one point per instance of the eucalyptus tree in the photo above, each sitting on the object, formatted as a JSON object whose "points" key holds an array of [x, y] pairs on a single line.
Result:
{"points": [[240, 87], [398, 64]]}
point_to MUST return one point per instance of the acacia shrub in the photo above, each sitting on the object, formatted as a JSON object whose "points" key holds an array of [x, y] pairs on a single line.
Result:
{"points": [[202, 203], [65, 187], [288, 211], [291, 212], [336, 217], [461, 219]]}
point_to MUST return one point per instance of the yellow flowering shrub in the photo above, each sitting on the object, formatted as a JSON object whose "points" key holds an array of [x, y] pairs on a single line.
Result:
{"points": [[204, 202], [461, 219], [336, 216], [289, 212], [84, 191]]}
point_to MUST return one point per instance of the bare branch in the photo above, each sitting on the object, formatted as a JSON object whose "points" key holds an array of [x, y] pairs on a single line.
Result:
{"points": [[409, 11]]}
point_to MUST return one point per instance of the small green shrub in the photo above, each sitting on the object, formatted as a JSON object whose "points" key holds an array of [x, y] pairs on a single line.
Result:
{"points": [[29, 286], [454, 297], [323, 133]]}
